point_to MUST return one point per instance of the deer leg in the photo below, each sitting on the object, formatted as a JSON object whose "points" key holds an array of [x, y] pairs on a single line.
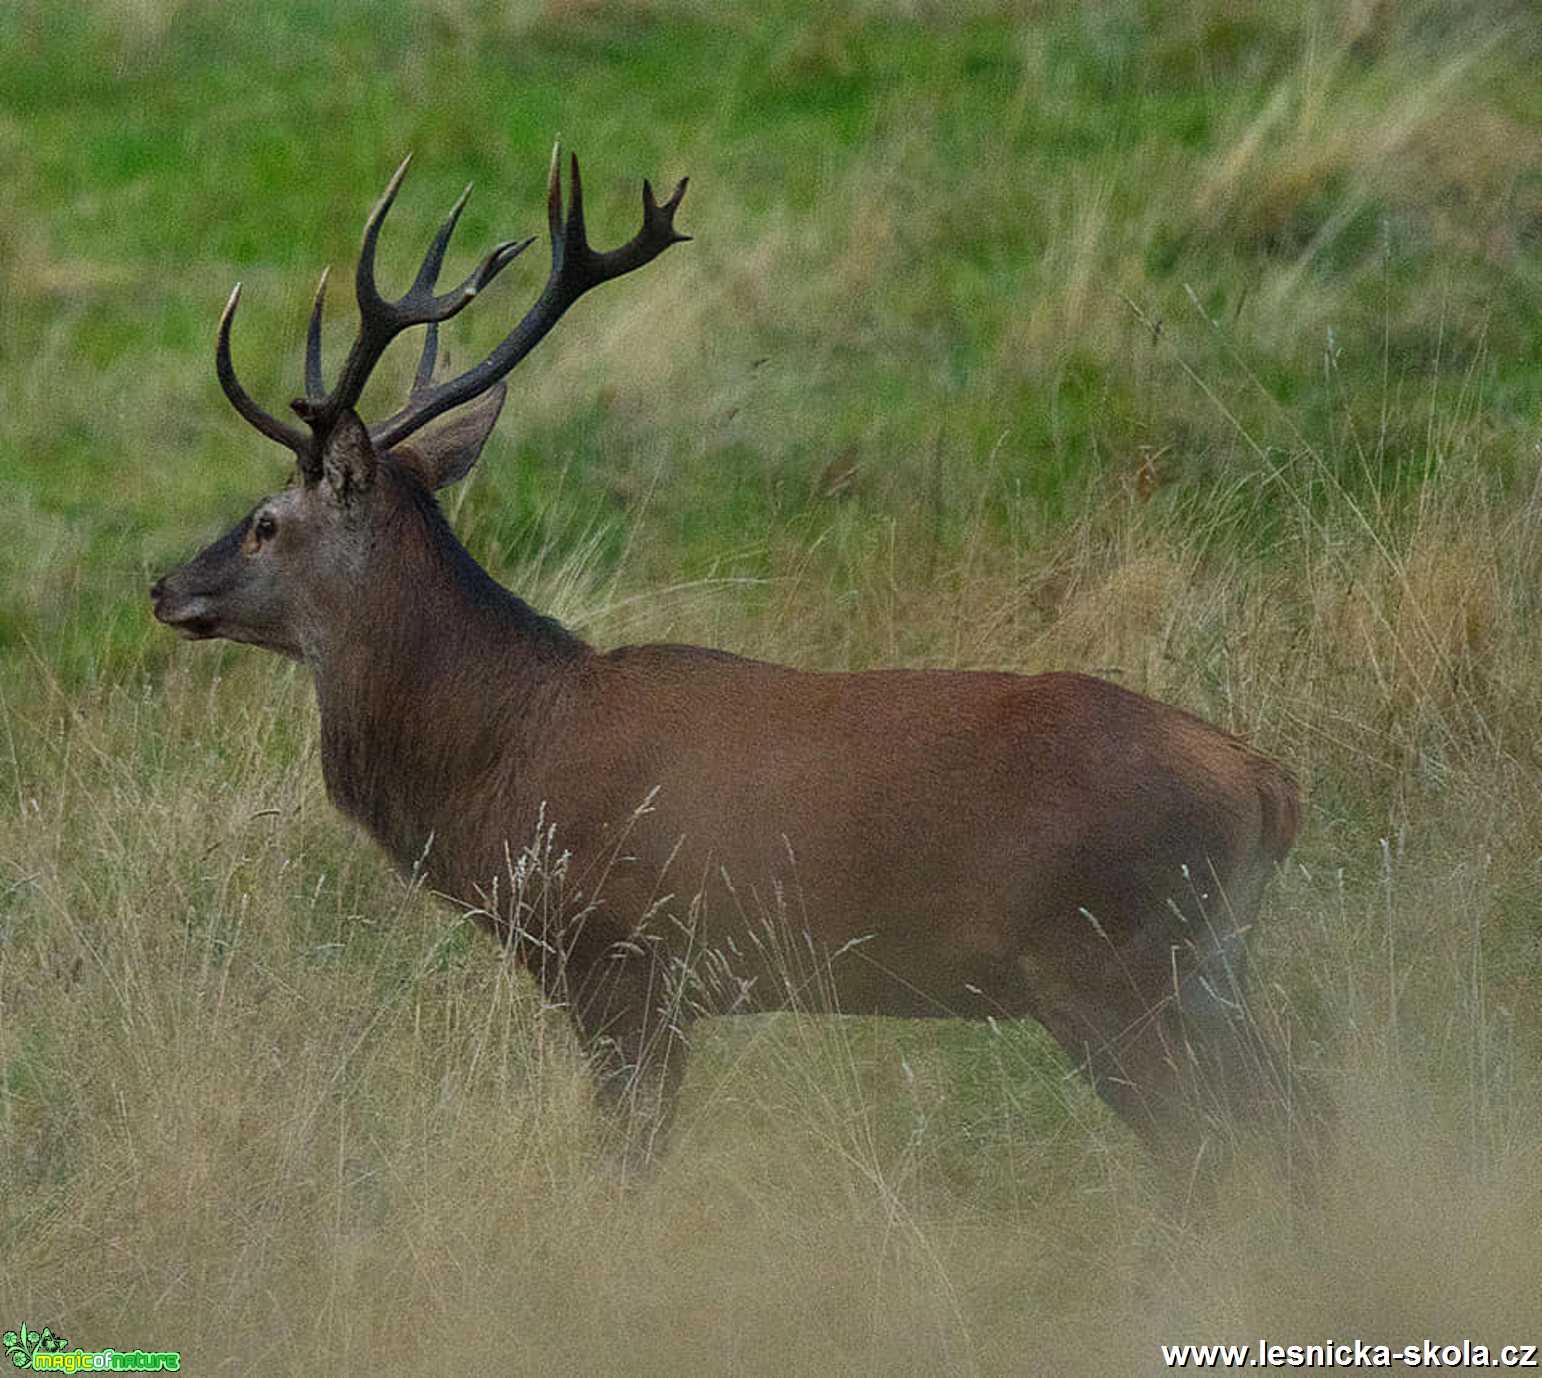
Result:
{"points": [[1126, 1052], [1160, 1024], [636, 1047], [1110, 1004], [1235, 1062]]}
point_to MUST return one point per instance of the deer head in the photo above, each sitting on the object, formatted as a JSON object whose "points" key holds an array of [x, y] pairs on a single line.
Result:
{"points": [[285, 576]]}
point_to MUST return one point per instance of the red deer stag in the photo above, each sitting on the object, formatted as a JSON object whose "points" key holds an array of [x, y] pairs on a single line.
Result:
{"points": [[935, 843]]}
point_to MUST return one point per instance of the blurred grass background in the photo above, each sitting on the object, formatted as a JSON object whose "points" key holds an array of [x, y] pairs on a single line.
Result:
{"points": [[1193, 344]]}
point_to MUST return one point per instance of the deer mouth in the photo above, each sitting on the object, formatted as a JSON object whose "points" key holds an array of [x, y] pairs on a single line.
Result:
{"points": [[188, 616], [193, 628], [198, 629]]}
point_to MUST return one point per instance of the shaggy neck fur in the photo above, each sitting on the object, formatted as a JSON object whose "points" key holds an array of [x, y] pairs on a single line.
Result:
{"points": [[407, 725]]}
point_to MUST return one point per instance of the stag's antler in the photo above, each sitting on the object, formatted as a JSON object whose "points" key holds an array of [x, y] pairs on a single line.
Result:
{"points": [[575, 268]]}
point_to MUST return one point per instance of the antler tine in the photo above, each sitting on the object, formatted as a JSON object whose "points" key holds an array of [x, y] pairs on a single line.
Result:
{"points": [[420, 301], [426, 360], [576, 268], [554, 197], [425, 282], [433, 260], [241, 400], [370, 300], [448, 304], [315, 385]]}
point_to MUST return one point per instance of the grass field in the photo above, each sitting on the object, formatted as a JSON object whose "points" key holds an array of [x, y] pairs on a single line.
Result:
{"points": [[1194, 344]]}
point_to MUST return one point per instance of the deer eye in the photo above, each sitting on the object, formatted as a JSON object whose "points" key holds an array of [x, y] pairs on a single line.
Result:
{"points": [[264, 527]]}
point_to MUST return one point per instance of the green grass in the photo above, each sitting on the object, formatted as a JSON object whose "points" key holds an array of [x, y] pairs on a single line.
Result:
{"points": [[1193, 344]]}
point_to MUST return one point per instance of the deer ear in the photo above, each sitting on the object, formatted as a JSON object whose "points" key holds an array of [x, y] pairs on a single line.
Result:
{"points": [[348, 459], [447, 452]]}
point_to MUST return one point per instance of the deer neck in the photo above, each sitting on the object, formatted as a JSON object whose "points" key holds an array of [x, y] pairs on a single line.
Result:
{"points": [[440, 689]]}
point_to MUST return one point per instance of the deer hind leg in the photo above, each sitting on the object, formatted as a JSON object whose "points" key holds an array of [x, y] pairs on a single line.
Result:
{"points": [[636, 1047], [1120, 1042], [1158, 1021], [1233, 1056]]}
